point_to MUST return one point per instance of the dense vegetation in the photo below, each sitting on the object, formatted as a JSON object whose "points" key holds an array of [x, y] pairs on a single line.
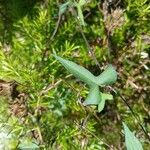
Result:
{"points": [[42, 103]]}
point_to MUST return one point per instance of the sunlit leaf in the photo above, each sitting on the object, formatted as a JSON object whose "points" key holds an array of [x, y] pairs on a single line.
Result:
{"points": [[107, 77], [94, 96], [78, 71], [132, 143]]}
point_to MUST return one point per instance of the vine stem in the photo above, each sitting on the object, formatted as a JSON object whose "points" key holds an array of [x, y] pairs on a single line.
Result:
{"points": [[133, 113], [84, 128], [89, 48]]}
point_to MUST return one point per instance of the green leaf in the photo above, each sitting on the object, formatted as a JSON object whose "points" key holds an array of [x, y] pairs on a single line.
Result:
{"points": [[107, 77], [28, 145], [97, 98], [101, 105], [63, 7], [106, 96], [79, 10], [132, 143], [80, 15], [94, 96], [78, 71], [82, 2]]}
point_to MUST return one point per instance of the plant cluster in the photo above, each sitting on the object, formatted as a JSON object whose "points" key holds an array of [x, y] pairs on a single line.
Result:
{"points": [[43, 105]]}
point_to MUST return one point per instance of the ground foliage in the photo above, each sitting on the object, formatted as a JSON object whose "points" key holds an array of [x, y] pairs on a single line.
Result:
{"points": [[41, 103]]}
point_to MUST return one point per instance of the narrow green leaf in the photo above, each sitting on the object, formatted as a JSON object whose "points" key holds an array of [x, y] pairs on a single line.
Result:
{"points": [[109, 76], [78, 71], [132, 143], [101, 105], [79, 10], [63, 7], [94, 96]]}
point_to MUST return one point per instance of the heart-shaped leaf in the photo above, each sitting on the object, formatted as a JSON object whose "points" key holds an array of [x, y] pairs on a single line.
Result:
{"points": [[107, 77], [78, 71], [132, 143], [94, 96]]}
